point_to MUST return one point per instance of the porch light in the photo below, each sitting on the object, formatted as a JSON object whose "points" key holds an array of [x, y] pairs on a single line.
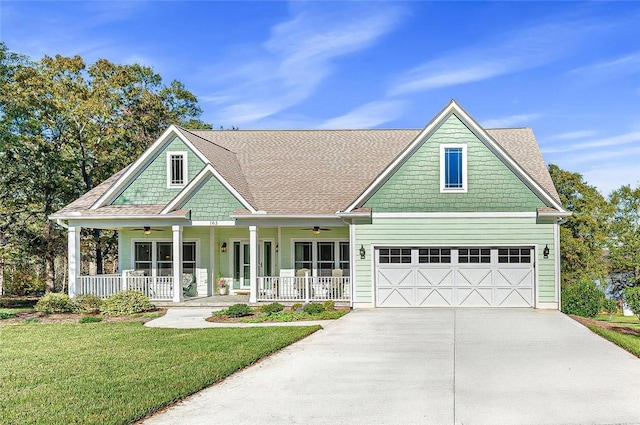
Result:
{"points": [[223, 247], [362, 252], [316, 230], [147, 230], [545, 251]]}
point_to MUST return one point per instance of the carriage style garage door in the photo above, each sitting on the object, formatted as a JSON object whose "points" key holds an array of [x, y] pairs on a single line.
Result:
{"points": [[455, 277]]}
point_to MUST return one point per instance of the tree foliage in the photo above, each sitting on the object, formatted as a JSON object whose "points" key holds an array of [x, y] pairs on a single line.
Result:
{"points": [[584, 236], [66, 126], [624, 238]]}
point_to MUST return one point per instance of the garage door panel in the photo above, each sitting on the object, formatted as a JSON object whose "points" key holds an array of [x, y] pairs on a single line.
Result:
{"points": [[474, 297], [434, 277], [518, 297], [396, 297], [432, 283], [480, 276], [440, 297], [514, 277]]}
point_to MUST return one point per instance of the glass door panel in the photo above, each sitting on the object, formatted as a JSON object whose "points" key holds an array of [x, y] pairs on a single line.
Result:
{"points": [[326, 258], [303, 255]]}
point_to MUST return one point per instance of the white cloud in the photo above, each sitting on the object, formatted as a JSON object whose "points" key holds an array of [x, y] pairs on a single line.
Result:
{"points": [[621, 139], [573, 135], [628, 64], [525, 49], [610, 177], [299, 55], [368, 115], [510, 121]]}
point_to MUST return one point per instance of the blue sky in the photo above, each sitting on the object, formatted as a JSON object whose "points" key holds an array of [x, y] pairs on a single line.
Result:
{"points": [[569, 70]]}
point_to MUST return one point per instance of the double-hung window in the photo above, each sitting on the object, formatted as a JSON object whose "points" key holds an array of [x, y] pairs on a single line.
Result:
{"points": [[453, 168], [176, 169]]}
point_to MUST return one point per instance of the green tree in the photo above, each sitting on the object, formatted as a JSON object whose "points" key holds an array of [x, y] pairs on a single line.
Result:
{"points": [[66, 127], [624, 240], [583, 238]]}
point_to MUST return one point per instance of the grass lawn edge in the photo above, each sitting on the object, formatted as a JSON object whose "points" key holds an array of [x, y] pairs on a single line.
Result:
{"points": [[628, 342]]}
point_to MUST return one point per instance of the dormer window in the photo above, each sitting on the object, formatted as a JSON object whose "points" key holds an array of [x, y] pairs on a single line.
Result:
{"points": [[176, 169], [453, 168]]}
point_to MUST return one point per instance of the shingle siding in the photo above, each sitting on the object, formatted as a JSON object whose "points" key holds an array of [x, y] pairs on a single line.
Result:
{"points": [[415, 187], [211, 202], [150, 187]]}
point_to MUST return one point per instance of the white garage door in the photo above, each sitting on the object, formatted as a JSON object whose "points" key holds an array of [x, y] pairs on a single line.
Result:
{"points": [[455, 277]]}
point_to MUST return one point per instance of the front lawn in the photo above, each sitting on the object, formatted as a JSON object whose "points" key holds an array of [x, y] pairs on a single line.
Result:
{"points": [[629, 342], [117, 373], [623, 331]]}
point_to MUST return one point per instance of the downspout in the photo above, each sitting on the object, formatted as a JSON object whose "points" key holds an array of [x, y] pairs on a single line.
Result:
{"points": [[59, 222]]}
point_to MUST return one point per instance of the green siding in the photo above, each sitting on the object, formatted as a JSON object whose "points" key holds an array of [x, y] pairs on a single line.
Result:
{"points": [[150, 186], [491, 186], [452, 231], [211, 201]]}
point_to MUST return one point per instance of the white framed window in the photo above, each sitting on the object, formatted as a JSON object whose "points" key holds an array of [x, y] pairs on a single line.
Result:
{"points": [[155, 257], [321, 257], [453, 168], [176, 169]]}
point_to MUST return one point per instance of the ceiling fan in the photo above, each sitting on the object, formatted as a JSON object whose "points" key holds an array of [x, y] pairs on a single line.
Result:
{"points": [[147, 230], [316, 229]]}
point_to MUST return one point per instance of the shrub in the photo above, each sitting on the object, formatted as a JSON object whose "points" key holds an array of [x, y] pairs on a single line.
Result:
{"points": [[632, 298], [329, 305], [55, 303], [582, 298], [17, 302], [125, 303], [239, 310], [610, 307], [6, 315], [296, 307], [272, 308], [88, 303], [313, 308], [90, 319]]}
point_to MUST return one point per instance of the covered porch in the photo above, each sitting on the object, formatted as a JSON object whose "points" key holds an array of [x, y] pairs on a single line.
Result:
{"points": [[284, 262]]}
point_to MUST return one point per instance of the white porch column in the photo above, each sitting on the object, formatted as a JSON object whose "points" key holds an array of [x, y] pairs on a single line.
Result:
{"points": [[177, 263], [73, 250], [253, 263]]}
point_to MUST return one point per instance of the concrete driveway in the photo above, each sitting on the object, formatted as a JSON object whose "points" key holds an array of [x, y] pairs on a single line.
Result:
{"points": [[444, 366]]}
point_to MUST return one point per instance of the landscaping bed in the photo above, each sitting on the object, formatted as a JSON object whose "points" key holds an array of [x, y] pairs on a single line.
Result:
{"points": [[31, 316], [275, 312]]}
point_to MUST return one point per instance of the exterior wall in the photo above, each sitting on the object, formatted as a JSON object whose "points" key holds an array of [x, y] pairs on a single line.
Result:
{"points": [[150, 187], [211, 201], [451, 232], [415, 187]]}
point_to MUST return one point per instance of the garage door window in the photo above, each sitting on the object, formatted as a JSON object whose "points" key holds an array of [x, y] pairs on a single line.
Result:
{"points": [[474, 255], [395, 255], [514, 255], [434, 255]]}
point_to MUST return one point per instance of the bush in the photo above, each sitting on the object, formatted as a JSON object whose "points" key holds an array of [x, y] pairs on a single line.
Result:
{"points": [[239, 310], [55, 303], [329, 305], [296, 307], [90, 319], [18, 302], [313, 308], [22, 282], [87, 303], [632, 298], [6, 315], [272, 308], [610, 307], [125, 303], [582, 298]]}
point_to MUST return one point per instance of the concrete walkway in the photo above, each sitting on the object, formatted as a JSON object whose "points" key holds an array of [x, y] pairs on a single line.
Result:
{"points": [[444, 366], [193, 318]]}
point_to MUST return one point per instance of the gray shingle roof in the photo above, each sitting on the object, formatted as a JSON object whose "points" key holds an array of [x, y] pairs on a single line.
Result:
{"points": [[315, 171]]}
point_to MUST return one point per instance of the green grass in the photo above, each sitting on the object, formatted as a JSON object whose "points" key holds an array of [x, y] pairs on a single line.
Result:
{"points": [[117, 373], [618, 319], [631, 343], [16, 310]]}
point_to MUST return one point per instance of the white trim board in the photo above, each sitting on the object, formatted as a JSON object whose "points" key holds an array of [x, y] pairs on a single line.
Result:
{"points": [[454, 109], [524, 214]]}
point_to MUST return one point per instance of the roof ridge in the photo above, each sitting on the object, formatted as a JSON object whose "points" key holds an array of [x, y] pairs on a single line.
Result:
{"points": [[208, 141], [311, 129]]}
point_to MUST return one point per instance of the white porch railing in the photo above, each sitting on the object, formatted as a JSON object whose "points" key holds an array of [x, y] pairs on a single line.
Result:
{"points": [[157, 288], [304, 288]]}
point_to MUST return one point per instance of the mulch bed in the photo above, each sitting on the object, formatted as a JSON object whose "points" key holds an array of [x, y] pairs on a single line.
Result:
{"points": [[605, 325], [227, 319], [75, 317]]}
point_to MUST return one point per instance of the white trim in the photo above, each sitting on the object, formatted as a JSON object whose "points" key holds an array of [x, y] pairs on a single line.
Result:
{"points": [[177, 263], [222, 223], [253, 264], [314, 252], [450, 109], [443, 177], [548, 306], [211, 290], [185, 169], [536, 282], [352, 247], [525, 214], [262, 216], [160, 143], [554, 214], [187, 191], [556, 260], [154, 251], [74, 258], [279, 249]]}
